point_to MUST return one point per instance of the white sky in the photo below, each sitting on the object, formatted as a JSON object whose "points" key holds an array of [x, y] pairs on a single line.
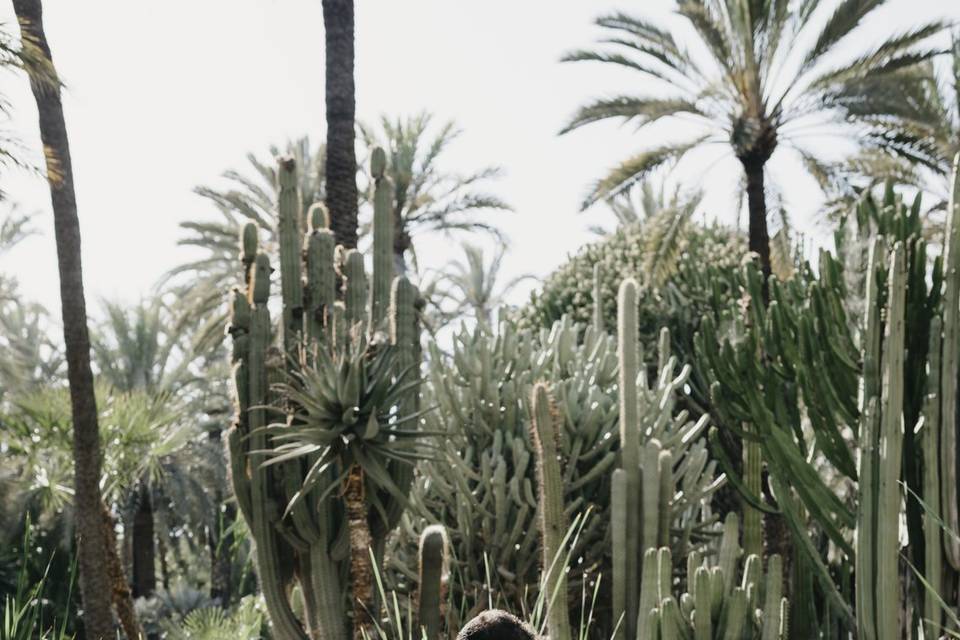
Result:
{"points": [[162, 96]]}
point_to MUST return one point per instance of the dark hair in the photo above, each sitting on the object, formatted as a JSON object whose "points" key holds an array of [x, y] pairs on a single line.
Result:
{"points": [[496, 625]]}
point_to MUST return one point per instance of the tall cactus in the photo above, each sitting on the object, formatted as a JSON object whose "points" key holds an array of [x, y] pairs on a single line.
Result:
{"points": [[553, 521], [951, 365], [626, 582], [433, 560], [306, 503]]}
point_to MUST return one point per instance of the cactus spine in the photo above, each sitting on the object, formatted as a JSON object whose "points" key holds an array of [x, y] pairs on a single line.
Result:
{"points": [[553, 521], [433, 559], [300, 535]]}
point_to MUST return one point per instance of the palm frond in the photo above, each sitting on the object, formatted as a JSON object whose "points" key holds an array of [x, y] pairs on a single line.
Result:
{"points": [[624, 177], [641, 108]]}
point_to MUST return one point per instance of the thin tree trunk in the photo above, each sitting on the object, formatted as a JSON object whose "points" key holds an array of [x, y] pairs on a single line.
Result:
{"points": [[119, 590], [759, 238], [341, 164], [144, 551], [361, 563], [95, 552]]}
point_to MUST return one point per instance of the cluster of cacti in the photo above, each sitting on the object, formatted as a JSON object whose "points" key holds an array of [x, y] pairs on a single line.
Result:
{"points": [[891, 410], [827, 403], [326, 433], [676, 303], [664, 469], [715, 605], [481, 484]]}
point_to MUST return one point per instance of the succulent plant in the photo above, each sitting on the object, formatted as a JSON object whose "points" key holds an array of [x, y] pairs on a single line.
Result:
{"points": [[327, 426]]}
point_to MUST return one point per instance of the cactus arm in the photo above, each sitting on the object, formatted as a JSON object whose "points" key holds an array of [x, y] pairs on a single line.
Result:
{"points": [[951, 366], [598, 298], [432, 552], [773, 592], [933, 541], [664, 516], [869, 426], [649, 592], [553, 522], [628, 352], [702, 623], [289, 235], [355, 288], [618, 535], [321, 284], [285, 623], [383, 234], [752, 470], [650, 494], [891, 448]]}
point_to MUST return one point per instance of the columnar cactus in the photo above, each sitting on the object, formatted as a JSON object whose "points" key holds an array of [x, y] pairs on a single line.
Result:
{"points": [[323, 447], [433, 563], [544, 433]]}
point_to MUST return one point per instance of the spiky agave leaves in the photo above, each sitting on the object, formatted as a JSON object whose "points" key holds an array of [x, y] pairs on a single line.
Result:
{"points": [[345, 411]]}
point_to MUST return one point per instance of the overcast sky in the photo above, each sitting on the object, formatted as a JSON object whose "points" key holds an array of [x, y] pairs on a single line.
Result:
{"points": [[162, 96]]}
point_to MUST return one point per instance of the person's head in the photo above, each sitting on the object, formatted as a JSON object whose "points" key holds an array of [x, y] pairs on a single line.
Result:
{"points": [[496, 625]]}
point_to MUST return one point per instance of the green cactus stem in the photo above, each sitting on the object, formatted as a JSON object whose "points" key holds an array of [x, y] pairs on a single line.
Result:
{"points": [[383, 234], [890, 452], [553, 521], [628, 352], [933, 538], [433, 558], [951, 365]]}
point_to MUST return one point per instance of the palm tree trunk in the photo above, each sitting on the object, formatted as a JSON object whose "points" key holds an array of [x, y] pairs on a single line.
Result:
{"points": [[759, 241], [144, 552], [93, 540], [361, 564], [341, 162]]}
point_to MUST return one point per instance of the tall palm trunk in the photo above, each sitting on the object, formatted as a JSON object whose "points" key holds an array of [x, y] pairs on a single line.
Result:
{"points": [[93, 536], [759, 241], [341, 164], [361, 562], [144, 551]]}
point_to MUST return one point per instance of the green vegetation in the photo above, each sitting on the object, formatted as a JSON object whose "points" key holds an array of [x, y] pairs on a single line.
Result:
{"points": [[674, 438]]}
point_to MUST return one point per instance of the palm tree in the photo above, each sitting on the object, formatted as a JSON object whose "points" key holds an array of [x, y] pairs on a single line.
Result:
{"points": [[15, 55], [652, 202], [769, 79], [427, 198], [341, 164], [134, 353], [98, 560], [474, 285]]}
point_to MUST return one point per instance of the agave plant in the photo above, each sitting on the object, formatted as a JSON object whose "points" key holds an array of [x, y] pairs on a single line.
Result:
{"points": [[345, 416]]}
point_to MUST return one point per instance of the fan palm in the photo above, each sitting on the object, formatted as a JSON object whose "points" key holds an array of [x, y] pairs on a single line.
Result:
{"points": [[428, 198], [768, 80], [139, 350]]}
